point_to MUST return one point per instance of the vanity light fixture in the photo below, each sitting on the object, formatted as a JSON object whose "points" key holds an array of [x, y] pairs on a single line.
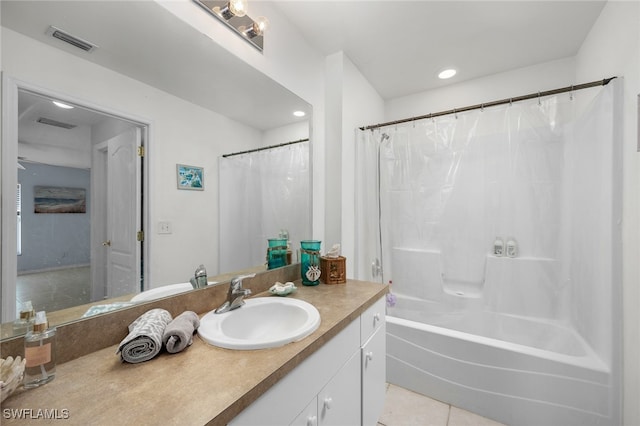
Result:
{"points": [[448, 73], [62, 105], [233, 13]]}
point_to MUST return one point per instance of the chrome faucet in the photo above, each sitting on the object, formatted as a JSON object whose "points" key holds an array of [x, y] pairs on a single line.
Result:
{"points": [[235, 297], [200, 278]]}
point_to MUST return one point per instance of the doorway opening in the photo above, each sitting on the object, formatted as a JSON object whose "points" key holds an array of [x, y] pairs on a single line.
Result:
{"points": [[71, 257]]}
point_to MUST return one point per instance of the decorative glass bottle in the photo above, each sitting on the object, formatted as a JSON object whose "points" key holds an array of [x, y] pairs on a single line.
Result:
{"points": [[40, 353], [276, 253], [310, 262]]}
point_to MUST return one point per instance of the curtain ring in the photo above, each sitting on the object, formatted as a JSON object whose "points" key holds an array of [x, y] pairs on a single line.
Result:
{"points": [[455, 113], [482, 107], [571, 93], [510, 101], [539, 102]]}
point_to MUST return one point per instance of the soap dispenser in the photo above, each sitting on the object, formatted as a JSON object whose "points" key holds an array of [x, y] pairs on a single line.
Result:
{"points": [[40, 353]]}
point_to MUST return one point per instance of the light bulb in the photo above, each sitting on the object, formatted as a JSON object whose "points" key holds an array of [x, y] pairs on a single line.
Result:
{"points": [[233, 8], [238, 7], [262, 23], [257, 28]]}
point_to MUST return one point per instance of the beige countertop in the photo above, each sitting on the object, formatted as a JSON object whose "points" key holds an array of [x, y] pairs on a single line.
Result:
{"points": [[201, 385]]}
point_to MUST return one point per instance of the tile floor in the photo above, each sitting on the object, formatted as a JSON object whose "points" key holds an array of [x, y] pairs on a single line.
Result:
{"points": [[54, 290], [403, 407]]}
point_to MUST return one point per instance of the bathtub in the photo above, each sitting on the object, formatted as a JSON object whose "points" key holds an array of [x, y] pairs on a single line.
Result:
{"points": [[512, 369]]}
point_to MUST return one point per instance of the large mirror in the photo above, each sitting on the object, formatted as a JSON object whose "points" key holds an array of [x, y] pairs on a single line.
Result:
{"points": [[180, 95]]}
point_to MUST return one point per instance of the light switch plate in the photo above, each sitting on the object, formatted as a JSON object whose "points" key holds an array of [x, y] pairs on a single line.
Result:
{"points": [[164, 227]]}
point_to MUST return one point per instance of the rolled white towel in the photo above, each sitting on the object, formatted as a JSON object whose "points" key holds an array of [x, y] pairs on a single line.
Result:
{"points": [[144, 340], [179, 333]]}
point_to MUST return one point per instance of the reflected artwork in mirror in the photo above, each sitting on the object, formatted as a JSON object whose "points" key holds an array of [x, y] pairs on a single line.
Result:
{"points": [[148, 97]]}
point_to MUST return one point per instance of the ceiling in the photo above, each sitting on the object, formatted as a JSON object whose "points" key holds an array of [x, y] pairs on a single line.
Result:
{"points": [[401, 46]]}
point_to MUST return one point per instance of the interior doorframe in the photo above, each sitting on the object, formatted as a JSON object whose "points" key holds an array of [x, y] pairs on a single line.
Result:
{"points": [[9, 180]]}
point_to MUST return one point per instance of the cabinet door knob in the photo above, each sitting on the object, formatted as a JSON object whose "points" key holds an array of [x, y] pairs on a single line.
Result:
{"points": [[369, 356], [327, 403], [312, 421], [376, 318]]}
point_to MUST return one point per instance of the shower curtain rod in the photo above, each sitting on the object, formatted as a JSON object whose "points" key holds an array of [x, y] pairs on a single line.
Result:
{"points": [[265, 148], [602, 82]]}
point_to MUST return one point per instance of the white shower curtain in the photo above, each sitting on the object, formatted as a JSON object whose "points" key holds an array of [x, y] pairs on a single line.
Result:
{"points": [[261, 194], [540, 171]]}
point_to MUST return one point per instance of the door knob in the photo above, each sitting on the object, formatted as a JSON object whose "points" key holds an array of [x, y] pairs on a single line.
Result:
{"points": [[107, 243]]}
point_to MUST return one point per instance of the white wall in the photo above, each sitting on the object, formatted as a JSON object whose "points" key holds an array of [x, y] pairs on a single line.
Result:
{"points": [[284, 134], [351, 102], [613, 48], [533, 79], [362, 105], [181, 132]]}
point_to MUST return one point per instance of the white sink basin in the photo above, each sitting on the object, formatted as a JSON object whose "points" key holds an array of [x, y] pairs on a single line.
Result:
{"points": [[164, 291], [262, 322]]}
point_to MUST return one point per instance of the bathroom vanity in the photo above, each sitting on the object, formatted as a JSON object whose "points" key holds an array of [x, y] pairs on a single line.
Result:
{"points": [[334, 376]]}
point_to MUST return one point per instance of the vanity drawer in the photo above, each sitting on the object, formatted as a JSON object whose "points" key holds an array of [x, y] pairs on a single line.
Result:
{"points": [[371, 320]]}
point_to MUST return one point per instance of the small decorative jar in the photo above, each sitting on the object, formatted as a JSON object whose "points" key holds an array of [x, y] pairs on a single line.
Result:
{"points": [[276, 253], [310, 262], [333, 270]]}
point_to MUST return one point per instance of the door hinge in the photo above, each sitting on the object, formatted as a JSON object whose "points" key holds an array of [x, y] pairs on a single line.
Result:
{"points": [[141, 151], [140, 235]]}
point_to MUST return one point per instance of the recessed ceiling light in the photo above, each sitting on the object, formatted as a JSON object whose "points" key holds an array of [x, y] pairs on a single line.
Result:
{"points": [[62, 105], [448, 73], [299, 113]]}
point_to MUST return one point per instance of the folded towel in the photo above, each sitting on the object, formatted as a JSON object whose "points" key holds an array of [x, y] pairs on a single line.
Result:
{"points": [[179, 332], [144, 340]]}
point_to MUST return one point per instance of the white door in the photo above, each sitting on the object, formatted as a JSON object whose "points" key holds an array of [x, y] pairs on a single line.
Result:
{"points": [[123, 214]]}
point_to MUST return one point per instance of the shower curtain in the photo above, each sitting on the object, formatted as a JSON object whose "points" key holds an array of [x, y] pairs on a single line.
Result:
{"points": [[262, 194], [541, 172]]}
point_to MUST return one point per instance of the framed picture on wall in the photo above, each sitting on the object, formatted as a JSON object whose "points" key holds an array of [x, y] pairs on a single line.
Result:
{"points": [[190, 177], [56, 199]]}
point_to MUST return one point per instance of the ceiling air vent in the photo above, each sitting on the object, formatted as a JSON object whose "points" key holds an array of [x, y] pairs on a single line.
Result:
{"points": [[55, 123], [72, 40]]}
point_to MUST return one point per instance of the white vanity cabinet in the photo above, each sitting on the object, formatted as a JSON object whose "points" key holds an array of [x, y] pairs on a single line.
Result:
{"points": [[342, 383]]}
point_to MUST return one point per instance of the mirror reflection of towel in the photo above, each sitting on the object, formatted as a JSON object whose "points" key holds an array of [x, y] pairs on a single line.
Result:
{"points": [[144, 340], [179, 333]]}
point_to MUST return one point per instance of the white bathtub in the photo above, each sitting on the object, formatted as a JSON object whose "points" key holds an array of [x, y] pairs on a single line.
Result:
{"points": [[512, 369]]}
